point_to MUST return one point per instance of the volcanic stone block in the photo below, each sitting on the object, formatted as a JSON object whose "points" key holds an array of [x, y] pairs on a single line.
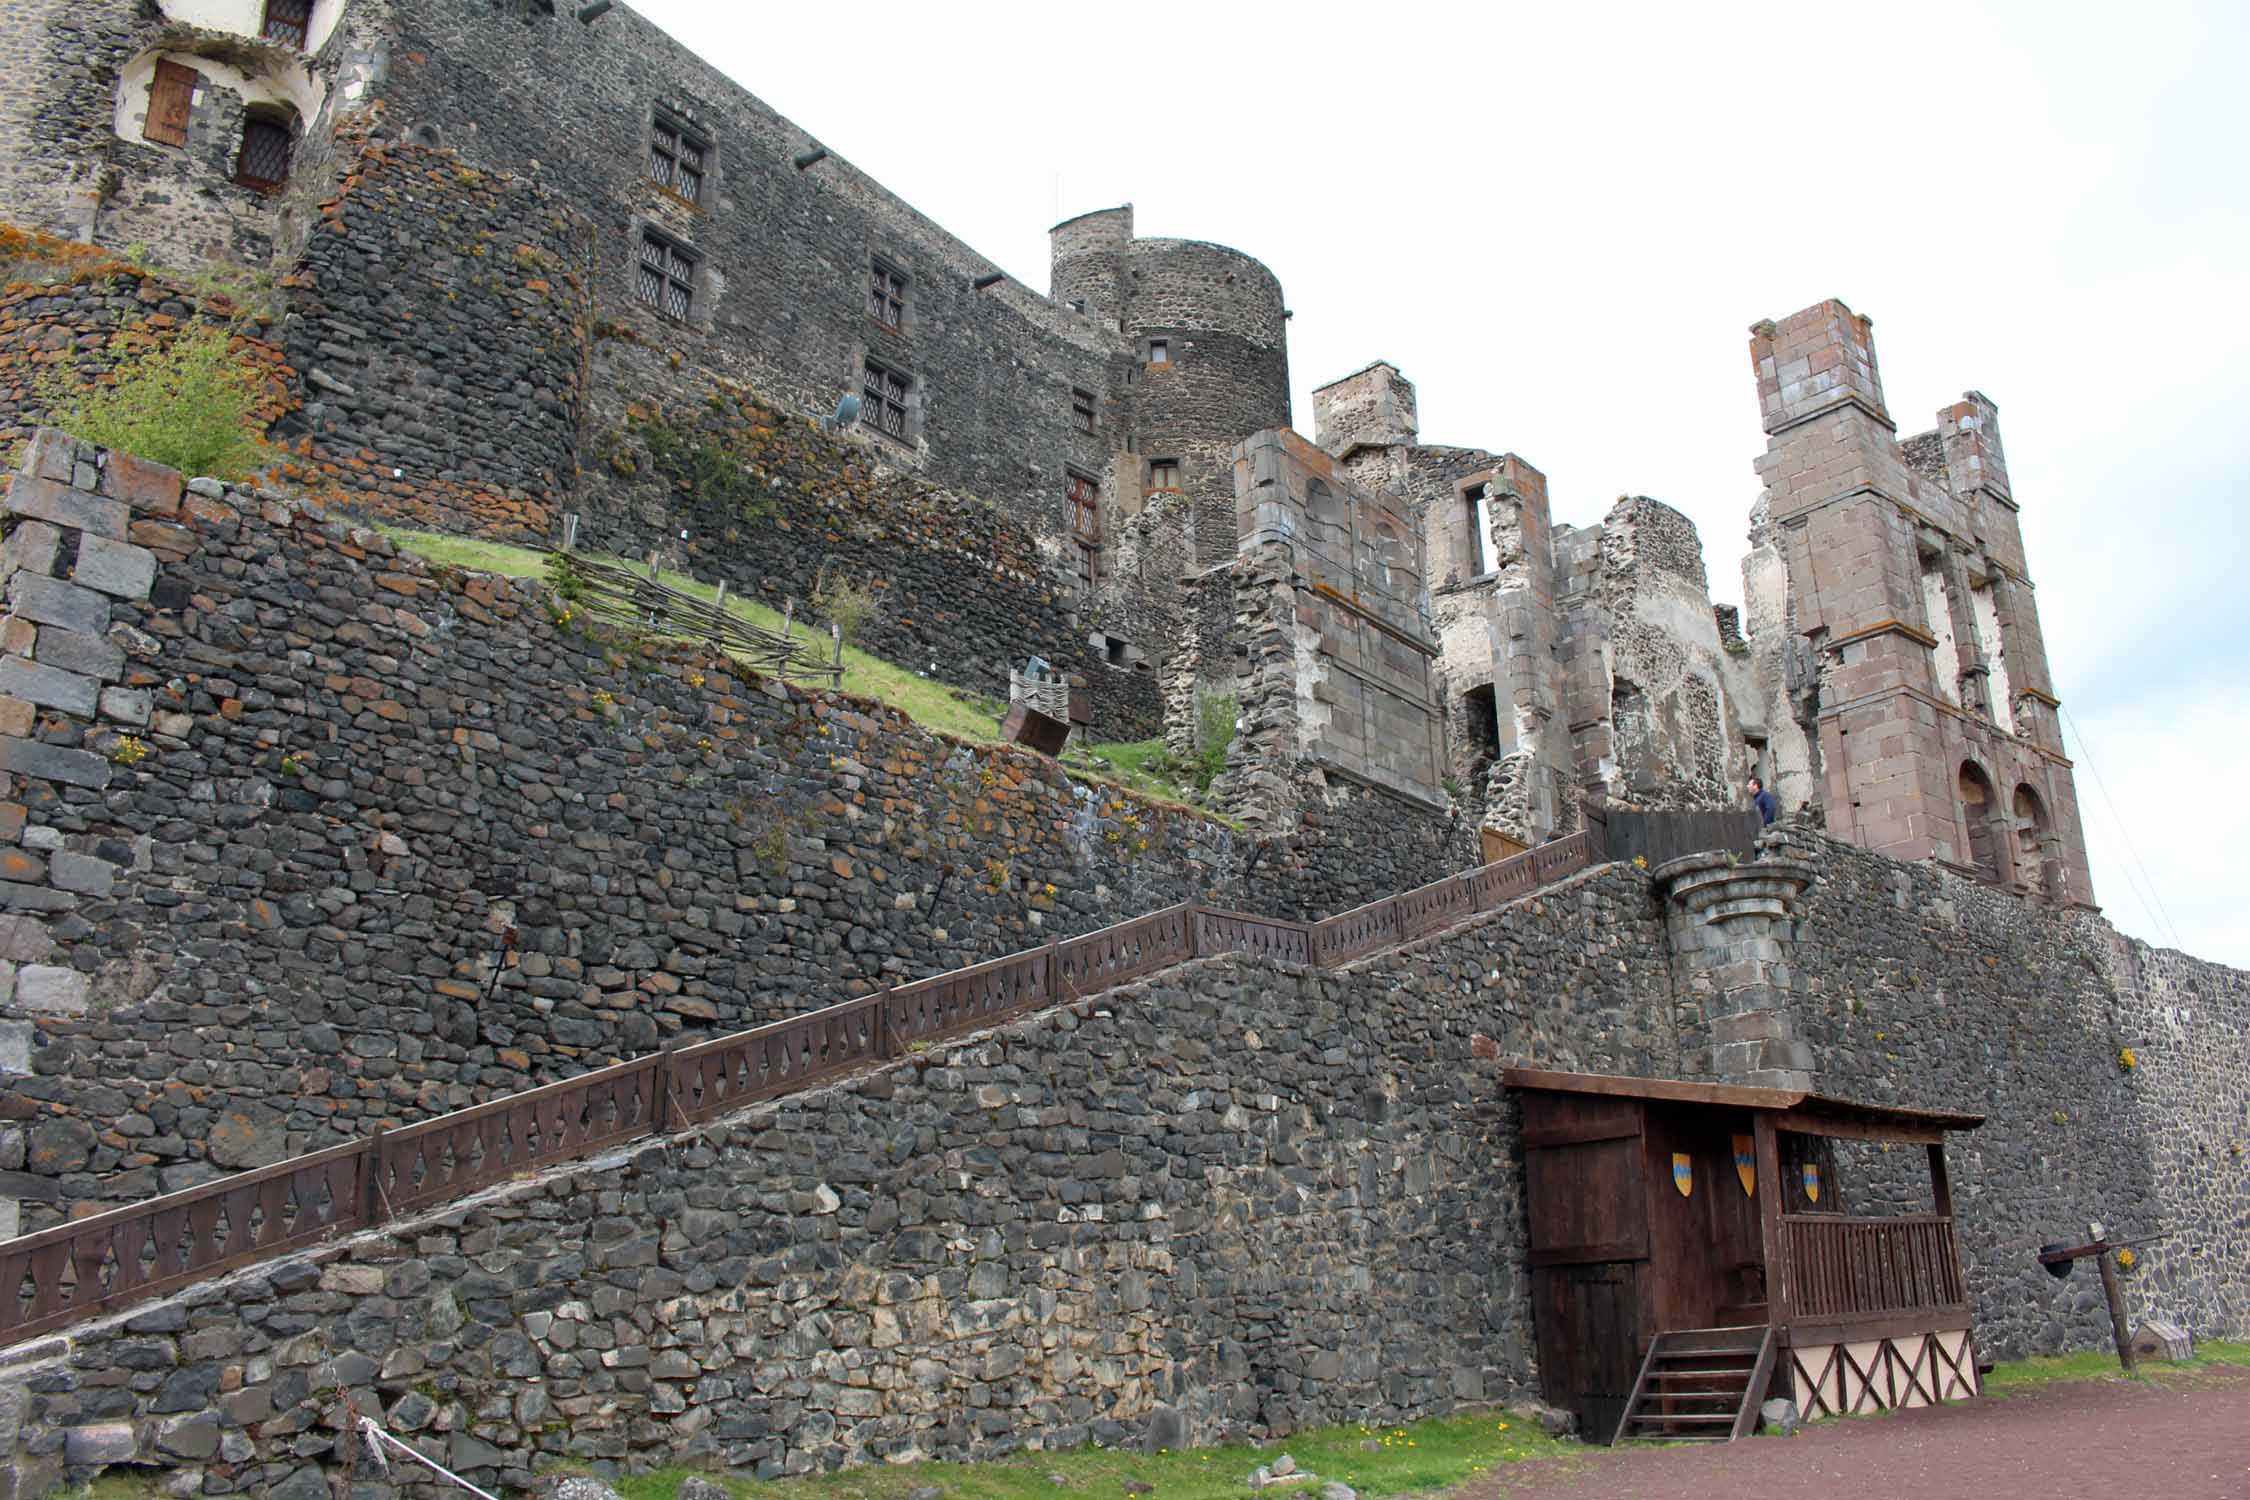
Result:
{"points": [[51, 687], [45, 500], [76, 651], [118, 568], [54, 762], [50, 601]]}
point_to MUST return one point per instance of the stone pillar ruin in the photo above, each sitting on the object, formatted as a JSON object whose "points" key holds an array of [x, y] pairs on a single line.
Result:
{"points": [[1731, 925]]}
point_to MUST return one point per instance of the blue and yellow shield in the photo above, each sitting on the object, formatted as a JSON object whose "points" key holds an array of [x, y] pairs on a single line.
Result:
{"points": [[1746, 1163], [1812, 1182], [1683, 1173]]}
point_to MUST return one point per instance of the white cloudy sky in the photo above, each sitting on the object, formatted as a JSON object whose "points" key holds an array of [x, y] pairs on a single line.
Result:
{"points": [[1561, 220]]}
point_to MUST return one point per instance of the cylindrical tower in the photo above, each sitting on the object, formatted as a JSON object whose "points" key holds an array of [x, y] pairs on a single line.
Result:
{"points": [[1086, 263], [1207, 329]]}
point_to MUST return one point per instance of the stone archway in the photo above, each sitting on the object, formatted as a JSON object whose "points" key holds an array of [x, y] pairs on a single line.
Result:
{"points": [[1979, 806], [2030, 822]]}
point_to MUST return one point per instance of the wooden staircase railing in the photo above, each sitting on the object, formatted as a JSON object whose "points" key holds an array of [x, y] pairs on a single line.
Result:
{"points": [[57, 1277]]}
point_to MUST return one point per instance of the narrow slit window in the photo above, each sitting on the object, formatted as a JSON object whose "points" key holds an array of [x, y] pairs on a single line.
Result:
{"points": [[883, 405], [1163, 473], [288, 22], [1089, 567], [675, 158], [1477, 503], [171, 96], [1082, 410], [1085, 507], [886, 295], [667, 277], [264, 163]]}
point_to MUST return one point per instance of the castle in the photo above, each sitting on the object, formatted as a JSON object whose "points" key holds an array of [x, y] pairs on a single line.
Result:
{"points": [[395, 158], [304, 841]]}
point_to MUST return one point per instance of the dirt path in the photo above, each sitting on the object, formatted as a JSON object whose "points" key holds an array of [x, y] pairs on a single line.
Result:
{"points": [[2183, 1437]]}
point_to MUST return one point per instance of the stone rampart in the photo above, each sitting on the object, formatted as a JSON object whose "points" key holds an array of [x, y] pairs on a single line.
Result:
{"points": [[386, 839], [1062, 1231]]}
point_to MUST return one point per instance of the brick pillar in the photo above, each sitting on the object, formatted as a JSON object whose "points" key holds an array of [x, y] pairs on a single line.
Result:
{"points": [[1732, 927]]}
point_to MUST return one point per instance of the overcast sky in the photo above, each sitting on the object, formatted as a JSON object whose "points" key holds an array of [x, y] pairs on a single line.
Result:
{"points": [[1560, 222]]}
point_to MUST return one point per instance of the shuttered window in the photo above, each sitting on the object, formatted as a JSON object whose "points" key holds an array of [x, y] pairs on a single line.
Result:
{"points": [[171, 94], [288, 22], [264, 163]]}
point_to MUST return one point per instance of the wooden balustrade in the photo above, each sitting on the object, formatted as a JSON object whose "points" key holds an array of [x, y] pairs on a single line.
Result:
{"points": [[1843, 1269], [91, 1266]]}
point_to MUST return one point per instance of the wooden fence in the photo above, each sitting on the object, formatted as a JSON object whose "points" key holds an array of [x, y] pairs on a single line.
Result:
{"points": [[609, 590], [1661, 836], [90, 1266]]}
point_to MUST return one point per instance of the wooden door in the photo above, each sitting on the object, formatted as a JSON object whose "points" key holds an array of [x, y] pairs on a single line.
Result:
{"points": [[1589, 1327], [1585, 1197]]}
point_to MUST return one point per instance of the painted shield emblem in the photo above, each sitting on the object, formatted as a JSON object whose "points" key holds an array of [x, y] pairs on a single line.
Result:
{"points": [[1683, 1173], [1812, 1182], [1746, 1163]]}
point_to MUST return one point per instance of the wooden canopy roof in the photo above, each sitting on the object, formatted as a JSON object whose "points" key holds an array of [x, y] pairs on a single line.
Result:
{"points": [[1797, 1109]]}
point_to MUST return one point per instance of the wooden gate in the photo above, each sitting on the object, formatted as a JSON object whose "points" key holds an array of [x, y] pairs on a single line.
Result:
{"points": [[1584, 1190]]}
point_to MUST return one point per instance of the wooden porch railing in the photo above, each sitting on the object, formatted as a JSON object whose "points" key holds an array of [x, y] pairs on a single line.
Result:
{"points": [[90, 1266], [1841, 1270]]}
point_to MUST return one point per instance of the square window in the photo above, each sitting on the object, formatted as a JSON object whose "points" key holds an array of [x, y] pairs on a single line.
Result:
{"points": [[1163, 473], [288, 22], [264, 162], [675, 157], [1082, 410], [886, 295], [1159, 351], [667, 276], [883, 393]]}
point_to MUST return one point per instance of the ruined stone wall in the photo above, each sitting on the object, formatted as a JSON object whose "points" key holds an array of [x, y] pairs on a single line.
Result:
{"points": [[390, 839], [1898, 569], [1064, 1230], [1662, 711]]}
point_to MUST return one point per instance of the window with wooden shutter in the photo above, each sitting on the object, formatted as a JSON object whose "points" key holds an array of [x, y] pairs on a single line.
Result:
{"points": [[288, 22], [264, 163], [171, 95]]}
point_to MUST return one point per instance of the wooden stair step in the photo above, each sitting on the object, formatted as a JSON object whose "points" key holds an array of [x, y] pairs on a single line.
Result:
{"points": [[1659, 1419], [1700, 1374]]}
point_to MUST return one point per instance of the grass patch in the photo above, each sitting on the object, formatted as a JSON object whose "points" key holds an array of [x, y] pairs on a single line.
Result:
{"points": [[2101, 1364], [933, 705], [1420, 1456]]}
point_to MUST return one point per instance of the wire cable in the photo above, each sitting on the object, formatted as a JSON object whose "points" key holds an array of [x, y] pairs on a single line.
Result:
{"points": [[2159, 918]]}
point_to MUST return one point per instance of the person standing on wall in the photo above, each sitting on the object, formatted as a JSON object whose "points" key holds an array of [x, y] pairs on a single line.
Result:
{"points": [[1760, 798]]}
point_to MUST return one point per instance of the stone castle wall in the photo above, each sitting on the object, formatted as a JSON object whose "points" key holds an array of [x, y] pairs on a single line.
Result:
{"points": [[1063, 1231], [1231, 1201], [395, 839]]}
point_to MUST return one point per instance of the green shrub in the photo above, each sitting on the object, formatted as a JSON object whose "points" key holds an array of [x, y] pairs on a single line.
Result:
{"points": [[1215, 715], [847, 603], [189, 404]]}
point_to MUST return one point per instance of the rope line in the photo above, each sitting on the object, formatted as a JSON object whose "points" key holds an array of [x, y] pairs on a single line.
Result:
{"points": [[2156, 913]]}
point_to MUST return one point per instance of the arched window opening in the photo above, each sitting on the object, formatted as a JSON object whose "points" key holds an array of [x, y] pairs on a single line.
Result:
{"points": [[266, 141], [2031, 837], [1977, 809]]}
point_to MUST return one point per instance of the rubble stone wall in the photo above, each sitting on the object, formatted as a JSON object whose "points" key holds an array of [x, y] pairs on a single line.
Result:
{"points": [[388, 839]]}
